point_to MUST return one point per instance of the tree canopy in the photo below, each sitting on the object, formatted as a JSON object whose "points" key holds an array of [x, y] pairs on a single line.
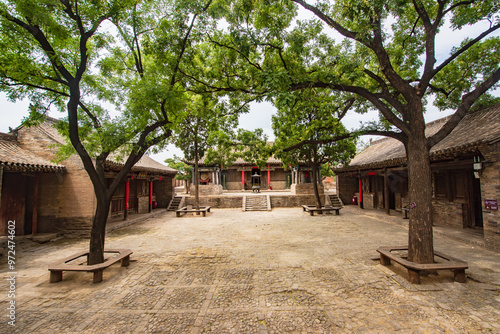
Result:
{"points": [[382, 54], [75, 55], [306, 130]]}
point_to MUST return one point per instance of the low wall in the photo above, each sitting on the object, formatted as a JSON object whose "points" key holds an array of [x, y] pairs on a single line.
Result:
{"points": [[222, 202], [278, 201], [294, 201]]}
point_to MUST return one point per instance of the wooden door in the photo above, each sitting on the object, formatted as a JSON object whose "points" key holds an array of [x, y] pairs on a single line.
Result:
{"points": [[13, 202]]}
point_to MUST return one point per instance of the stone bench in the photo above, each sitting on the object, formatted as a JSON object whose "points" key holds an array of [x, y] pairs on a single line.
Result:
{"points": [[57, 269], [184, 210], [457, 266], [312, 209]]}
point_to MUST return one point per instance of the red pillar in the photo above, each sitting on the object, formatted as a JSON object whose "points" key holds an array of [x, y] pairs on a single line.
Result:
{"points": [[127, 200], [150, 196], [268, 177], [243, 179]]}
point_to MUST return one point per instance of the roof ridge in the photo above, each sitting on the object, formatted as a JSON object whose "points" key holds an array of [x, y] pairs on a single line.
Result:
{"points": [[7, 136]]}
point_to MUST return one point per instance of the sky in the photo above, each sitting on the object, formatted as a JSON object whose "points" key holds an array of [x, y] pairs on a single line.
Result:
{"points": [[12, 113]]}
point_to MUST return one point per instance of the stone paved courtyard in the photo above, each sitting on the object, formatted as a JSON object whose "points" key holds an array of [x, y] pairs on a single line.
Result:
{"points": [[256, 272]]}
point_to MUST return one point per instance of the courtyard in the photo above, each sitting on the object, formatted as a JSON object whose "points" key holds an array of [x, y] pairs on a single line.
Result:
{"points": [[256, 272]]}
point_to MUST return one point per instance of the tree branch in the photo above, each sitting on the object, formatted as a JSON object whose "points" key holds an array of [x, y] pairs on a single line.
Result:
{"points": [[461, 3], [465, 48], [257, 66], [384, 109], [467, 101], [396, 135], [184, 44], [328, 20], [348, 106]]}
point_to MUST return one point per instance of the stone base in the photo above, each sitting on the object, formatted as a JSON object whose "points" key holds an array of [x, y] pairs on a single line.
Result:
{"points": [[306, 189], [207, 190]]}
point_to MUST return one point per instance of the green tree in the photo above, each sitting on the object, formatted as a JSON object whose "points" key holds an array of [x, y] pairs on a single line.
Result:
{"points": [[64, 53], [307, 128], [384, 55], [206, 119], [326, 169], [185, 172]]}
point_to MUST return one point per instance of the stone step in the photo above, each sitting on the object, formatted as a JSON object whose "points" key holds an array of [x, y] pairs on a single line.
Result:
{"points": [[256, 203], [174, 203], [335, 200]]}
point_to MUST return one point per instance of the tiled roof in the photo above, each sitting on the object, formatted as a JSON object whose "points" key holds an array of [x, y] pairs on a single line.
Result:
{"points": [[145, 164], [482, 126], [15, 158], [240, 161]]}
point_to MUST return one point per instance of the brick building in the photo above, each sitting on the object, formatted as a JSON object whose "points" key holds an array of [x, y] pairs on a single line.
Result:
{"points": [[465, 175], [43, 196]]}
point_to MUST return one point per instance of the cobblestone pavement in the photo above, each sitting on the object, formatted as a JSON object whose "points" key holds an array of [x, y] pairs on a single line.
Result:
{"points": [[255, 272]]}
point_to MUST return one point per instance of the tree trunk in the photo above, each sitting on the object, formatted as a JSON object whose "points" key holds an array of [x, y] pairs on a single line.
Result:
{"points": [[98, 232], [196, 181], [420, 243], [315, 185]]}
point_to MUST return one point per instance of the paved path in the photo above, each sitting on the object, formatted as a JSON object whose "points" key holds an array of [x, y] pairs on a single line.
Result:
{"points": [[255, 272]]}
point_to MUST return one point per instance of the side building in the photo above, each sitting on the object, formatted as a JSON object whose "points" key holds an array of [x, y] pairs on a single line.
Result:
{"points": [[42, 196], [465, 175]]}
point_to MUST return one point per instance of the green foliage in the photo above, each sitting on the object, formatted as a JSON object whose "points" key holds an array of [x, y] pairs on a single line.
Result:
{"points": [[309, 122], [185, 170], [383, 52], [251, 146], [467, 72], [206, 121], [326, 169]]}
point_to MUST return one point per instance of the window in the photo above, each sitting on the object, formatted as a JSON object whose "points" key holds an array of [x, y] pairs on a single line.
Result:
{"points": [[440, 184], [459, 184]]}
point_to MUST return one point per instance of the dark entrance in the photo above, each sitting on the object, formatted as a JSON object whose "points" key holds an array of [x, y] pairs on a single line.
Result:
{"points": [[474, 209], [15, 187]]}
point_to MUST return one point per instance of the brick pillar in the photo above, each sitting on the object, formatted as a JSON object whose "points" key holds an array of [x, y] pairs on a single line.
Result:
{"points": [[490, 189]]}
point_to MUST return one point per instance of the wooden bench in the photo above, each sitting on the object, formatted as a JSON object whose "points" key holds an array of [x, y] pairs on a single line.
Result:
{"points": [[312, 209], [457, 266], [57, 269], [184, 210]]}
